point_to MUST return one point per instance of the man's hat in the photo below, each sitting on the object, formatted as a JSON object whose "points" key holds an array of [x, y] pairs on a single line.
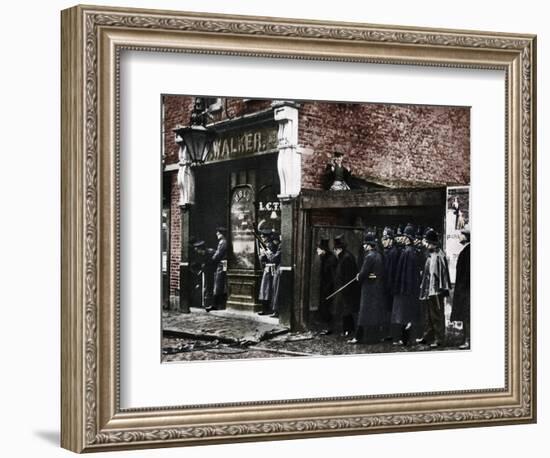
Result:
{"points": [[387, 233], [431, 236], [266, 233], [221, 229], [369, 239], [199, 244], [339, 241], [337, 153], [409, 231], [466, 231], [323, 244]]}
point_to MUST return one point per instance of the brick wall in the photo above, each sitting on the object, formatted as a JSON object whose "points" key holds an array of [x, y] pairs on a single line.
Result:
{"points": [[177, 110], [175, 235], [402, 144], [399, 143]]}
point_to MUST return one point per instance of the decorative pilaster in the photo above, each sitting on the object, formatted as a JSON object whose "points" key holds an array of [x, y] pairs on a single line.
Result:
{"points": [[186, 178], [289, 163]]}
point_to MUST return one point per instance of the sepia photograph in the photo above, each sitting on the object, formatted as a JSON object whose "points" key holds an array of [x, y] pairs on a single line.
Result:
{"points": [[313, 228], [285, 206]]}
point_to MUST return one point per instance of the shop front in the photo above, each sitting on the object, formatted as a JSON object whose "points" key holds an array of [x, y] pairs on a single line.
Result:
{"points": [[238, 187], [256, 176]]}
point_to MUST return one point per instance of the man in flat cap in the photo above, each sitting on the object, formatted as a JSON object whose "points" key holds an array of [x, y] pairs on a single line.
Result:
{"points": [[219, 259], [435, 286], [337, 175], [461, 296]]}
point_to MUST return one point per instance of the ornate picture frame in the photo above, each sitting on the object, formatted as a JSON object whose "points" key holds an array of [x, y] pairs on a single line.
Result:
{"points": [[92, 40]]}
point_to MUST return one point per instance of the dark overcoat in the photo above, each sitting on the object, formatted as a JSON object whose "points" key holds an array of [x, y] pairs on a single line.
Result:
{"points": [[347, 301], [461, 297], [372, 310], [406, 302], [267, 260], [391, 258], [327, 283], [219, 259], [276, 259], [202, 268]]}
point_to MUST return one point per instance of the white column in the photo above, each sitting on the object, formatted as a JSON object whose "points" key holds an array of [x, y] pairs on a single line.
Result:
{"points": [[186, 179], [289, 161]]}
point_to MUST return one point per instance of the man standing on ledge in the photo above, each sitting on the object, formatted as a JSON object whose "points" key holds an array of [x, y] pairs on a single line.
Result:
{"points": [[338, 176], [219, 259], [434, 288]]}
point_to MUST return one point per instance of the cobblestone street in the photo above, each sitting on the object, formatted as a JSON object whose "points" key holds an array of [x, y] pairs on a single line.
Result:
{"points": [[222, 335]]}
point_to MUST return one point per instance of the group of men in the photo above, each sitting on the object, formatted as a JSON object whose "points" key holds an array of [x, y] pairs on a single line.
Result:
{"points": [[399, 291], [210, 267]]}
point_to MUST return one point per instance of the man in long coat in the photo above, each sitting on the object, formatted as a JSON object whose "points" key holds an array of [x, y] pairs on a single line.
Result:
{"points": [[391, 258], [267, 253], [406, 311], [461, 297], [346, 302], [434, 288], [219, 259], [326, 284], [203, 268], [372, 305], [276, 260]]}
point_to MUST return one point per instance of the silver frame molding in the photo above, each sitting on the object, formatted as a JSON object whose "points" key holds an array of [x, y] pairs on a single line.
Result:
{"points": [[92, 38]]}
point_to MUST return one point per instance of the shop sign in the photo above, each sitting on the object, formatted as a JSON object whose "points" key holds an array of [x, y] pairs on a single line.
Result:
{"points": [[234, 145]]}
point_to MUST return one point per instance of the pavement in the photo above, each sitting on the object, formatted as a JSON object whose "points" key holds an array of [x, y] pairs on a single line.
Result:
{"points": [[226, 326], [226, 334]]}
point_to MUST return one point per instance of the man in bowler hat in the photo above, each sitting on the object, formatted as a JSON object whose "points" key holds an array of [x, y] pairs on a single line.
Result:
{"points": [[346, 302], [326, 284], [372, 308]]}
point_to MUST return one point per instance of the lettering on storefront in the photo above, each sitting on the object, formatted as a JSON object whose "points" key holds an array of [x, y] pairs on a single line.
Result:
{"points": [[243, 143], [269, 206]]}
